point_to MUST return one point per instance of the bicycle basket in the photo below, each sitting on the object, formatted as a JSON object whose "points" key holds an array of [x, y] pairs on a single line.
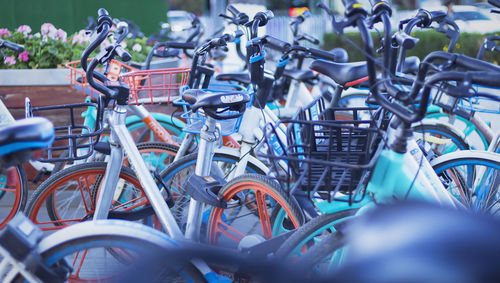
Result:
{"points": [[328, 151], [77, 129], [195, 121], [78, 78], [155, 86]]}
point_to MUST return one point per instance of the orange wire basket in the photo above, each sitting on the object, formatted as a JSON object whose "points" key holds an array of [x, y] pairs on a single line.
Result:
{"points": [[155, 86], [146, 86], [78, 79]]}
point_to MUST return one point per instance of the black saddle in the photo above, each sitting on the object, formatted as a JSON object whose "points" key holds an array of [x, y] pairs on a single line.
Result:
{"points": [[243, 77], [341, 73], [215, 104], [299, 75]]}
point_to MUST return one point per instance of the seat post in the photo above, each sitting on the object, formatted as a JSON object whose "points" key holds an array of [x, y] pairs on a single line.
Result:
{"points": [[209, 136]]}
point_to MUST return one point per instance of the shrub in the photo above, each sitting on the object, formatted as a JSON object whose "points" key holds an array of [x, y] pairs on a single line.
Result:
{"points": [[468, 44], [51, 47]]}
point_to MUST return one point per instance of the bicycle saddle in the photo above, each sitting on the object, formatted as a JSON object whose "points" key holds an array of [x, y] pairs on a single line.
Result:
{"points": [[215, 104], [341, 73], [300, 75], [25, 135], [243, 77]]}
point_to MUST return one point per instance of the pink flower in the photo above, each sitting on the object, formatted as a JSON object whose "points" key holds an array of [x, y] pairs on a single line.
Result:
{"points": [[47, 28], [4, 31], [10, 60], [23, 56], [48, 31], [81, 37], [137, 47], [24, 29], [123, 44], [60, 34]]}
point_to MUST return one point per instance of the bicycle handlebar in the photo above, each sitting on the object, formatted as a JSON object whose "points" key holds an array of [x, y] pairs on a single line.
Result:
{"points": [[488, 44], [11, 45]]}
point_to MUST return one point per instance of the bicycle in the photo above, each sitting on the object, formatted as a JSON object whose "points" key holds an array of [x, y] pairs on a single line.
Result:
{"points": [[400, 172]]}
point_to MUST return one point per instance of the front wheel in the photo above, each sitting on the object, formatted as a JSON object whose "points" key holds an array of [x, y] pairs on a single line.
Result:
{"points": [[105, 251]]}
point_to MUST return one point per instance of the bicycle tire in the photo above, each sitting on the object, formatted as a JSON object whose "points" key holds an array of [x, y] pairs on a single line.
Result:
{"points": [[124, 238], [262, 186], [81, 200], [456, 171], [13, 181], [305, 234]]}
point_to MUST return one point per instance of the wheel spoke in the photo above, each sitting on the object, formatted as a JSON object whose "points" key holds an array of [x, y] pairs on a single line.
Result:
{"points": [[265, 221]]}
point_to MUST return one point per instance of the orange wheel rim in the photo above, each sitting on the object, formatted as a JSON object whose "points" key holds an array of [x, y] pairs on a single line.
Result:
{"points": [[219, 227]]}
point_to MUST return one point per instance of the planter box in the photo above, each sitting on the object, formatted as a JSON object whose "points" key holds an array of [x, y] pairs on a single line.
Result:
{"points": [[43, 87], [32, 77], [166, 63]]}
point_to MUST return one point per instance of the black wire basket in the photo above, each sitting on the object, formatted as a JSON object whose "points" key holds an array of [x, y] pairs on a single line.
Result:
{"points": [[77, 129], [329, 151]]}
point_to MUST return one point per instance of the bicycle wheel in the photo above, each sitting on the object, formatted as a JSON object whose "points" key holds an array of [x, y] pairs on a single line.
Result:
{"points": [[448, 139], [229, 226], [103, 250], [312, 232], [68, 197], [176, 175], [473, 177], [13, 193]]}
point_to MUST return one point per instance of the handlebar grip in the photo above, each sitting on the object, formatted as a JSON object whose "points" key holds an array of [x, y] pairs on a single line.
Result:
{"points": [[181, 45], [166, 53], [311, 39], [353, 7], [322, 54], [233, 10], [264, 17], [438, 16], [13, 46], [217, 42], [276, 44], [495, 3], [405, 40], [227, 38], [380, 5], [103, 16], [122, 53]]}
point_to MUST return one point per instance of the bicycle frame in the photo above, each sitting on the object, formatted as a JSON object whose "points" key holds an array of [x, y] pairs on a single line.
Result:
{"points": [[121, 142]]}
